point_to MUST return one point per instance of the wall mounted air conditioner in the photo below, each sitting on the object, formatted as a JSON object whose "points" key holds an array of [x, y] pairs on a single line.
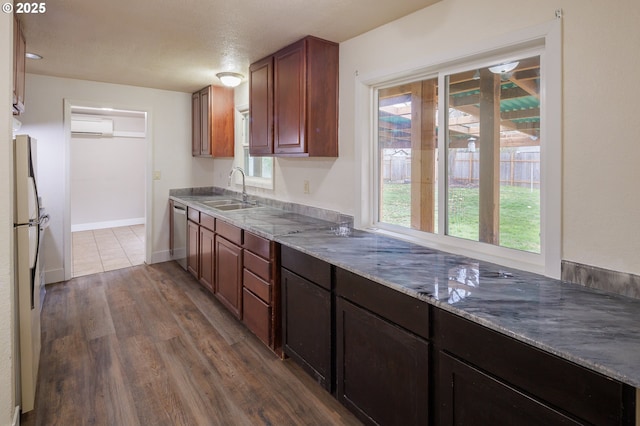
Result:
{"points": [[91, 126]]}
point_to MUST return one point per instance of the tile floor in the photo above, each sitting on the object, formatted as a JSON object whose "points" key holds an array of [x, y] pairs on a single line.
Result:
{"points": [[103, 250]]}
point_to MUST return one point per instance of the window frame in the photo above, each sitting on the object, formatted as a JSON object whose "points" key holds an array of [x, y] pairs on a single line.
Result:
{"points": [[242, 141], [543, 40]]}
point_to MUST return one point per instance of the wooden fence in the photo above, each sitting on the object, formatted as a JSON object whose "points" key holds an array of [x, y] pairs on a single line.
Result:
{"points": [[516, 168]]}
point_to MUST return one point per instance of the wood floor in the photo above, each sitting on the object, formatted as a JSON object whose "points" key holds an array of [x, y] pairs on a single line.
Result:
{"points": [[148, 346]]}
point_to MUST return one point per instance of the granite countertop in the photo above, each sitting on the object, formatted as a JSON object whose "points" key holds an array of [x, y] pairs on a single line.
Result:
{"points": [[592, 328]]}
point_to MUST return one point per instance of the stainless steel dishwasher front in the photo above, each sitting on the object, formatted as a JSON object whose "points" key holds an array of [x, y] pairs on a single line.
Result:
{"points": [[180, 234]]}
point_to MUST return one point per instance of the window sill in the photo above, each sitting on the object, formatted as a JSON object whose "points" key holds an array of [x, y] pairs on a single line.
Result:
{"points": [[509, 258]]}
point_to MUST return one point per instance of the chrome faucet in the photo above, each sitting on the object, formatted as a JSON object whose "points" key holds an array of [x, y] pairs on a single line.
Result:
{"points": [[244, 188]]}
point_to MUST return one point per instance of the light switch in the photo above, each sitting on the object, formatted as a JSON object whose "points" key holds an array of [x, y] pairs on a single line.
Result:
{"points": [[306, 187], [157, 175]]}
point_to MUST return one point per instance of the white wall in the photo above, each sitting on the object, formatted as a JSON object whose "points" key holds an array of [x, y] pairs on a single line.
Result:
{"points": [[108, 178], [7, 297], [169, 140]]}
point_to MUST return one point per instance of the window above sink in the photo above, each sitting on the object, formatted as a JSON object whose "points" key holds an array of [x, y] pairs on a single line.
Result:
{"points": [[259, 170]]}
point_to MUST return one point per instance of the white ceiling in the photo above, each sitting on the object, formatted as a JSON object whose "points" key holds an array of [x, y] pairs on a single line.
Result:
{"points": [[181, 44]]}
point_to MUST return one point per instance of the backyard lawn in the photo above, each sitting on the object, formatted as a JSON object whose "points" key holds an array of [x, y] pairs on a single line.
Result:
{"points": [[519, 213]]}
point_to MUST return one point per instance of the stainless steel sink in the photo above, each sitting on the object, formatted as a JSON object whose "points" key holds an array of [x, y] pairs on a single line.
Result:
{"points": [[236, 206], [216, 203], [230, 204]]}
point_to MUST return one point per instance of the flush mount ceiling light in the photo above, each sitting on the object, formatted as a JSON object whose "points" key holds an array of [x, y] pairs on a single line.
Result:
{"points": [[230, 79], [30, 55], [504, 68]]}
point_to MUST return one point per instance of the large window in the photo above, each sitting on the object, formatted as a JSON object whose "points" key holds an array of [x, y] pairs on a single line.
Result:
{"points": [[492, 154], [467, 155]]}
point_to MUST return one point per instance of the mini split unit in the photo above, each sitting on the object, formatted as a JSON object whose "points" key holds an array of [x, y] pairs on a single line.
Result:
{"points": [[92, 126]]}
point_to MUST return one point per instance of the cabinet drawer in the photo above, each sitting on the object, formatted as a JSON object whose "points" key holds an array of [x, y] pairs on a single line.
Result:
{"points": [[592, 397], [207, 221], [309, 267], [399, 308], [228, 231], [257, 265], [258, 245], [261, 288], [193, 214], [257, 316]]}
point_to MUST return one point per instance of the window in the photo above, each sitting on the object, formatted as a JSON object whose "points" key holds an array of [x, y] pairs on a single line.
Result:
{"points": [[467, 155], [493, 158], [258, 170], [407, 142]]}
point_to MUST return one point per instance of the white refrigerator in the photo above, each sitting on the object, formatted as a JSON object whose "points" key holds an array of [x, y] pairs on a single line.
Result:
{"points": [[28, 225]]}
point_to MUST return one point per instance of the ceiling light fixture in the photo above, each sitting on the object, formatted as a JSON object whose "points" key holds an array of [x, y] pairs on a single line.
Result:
{"points": [[504, 68], [230, 79], [30, 55]]}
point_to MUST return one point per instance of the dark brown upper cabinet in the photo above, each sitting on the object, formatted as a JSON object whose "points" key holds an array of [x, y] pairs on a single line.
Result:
{"points": [[293, 101], [212, 122]]}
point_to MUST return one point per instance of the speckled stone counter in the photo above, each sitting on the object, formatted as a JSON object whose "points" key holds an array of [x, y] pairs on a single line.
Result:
{"points": [[597, 330]]}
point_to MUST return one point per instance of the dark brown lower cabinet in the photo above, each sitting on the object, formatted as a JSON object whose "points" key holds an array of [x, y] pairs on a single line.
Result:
{"points": [[381, 369], [472, 397], [228, 272], [485, 378], [306, 326]]}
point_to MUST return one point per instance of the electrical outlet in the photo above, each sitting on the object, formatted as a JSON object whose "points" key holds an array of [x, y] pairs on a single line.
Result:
{"points": [[157, 175], [306, 187]]}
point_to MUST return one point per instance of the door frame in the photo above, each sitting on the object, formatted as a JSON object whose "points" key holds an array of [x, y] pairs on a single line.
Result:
{"points": [[148, 214]]}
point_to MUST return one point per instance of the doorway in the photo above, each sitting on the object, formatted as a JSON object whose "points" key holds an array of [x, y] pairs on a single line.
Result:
{"points": [[107, 188]]}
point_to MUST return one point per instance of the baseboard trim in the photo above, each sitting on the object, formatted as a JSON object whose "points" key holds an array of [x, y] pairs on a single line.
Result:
{"points": [[107, 224], [160, 256], [53, 276]]}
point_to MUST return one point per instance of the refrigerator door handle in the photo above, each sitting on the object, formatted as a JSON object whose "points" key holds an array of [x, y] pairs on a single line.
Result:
{"points": [[35, 274]]}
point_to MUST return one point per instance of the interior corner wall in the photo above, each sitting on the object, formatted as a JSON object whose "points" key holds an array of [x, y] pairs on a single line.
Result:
{"points": [[169, 139], [8, 305]]}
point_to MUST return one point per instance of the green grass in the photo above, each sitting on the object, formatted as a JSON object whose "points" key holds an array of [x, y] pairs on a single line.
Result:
{"points": [[519, 213]]}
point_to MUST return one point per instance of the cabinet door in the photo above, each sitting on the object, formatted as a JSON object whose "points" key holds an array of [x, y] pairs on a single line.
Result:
{"points": [[467, 395], [221, 119], [195, 124], [381, 369], [205, 122], [228, 273], [289, 100], [193, 245], [207, 259], [306, 326], [261, 107]]}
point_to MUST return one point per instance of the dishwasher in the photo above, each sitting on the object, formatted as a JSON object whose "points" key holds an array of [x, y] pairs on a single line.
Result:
{"points": [[179, 247]]}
